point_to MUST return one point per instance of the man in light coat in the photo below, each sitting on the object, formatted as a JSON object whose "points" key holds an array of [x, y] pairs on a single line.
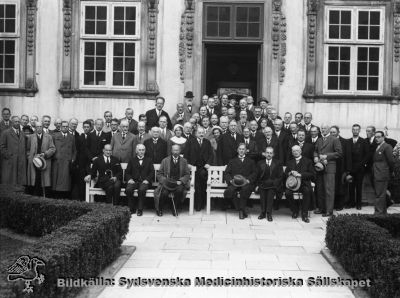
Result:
{"points": [[124, 143], [13, 154], [62, 161], [40, 144]]}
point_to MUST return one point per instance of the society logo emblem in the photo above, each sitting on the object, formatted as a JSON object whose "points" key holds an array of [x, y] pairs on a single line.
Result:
{"points": [[26, 268]]}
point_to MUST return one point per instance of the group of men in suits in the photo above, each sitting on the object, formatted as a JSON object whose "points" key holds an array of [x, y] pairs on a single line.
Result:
{"points": [[249, 137]]}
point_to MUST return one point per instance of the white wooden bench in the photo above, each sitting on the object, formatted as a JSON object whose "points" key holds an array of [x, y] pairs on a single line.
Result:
{"points": [[216, 186], [91, 190]]}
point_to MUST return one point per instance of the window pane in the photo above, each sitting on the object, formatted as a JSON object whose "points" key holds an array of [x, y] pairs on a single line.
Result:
{"points": [[375, 17], [9, 47], [241, 14], [1, 24], [130, 28], [374, 32], [334, 17], [118, 64], [10, 26], [212, 13], [101, 12], [373, 54], [344, 68], [212, 29], [100, 78], [88, 78], [89, 48], [118, 49], [10, 11], [129, 49], [332, 82], [241, 29], [89, 63], [224, 13], [362, 68], [344, 53], [101, 27], [334, 31], [363, 17], [90, 27], [344, 83], [129, 79], [224, 29], [130, 13], [333, 53], [254, 30], [361, 83], [130, 64], [90, 12], [373, 69], [9, 76], [254, 14], [119, 28], [333, 68], [373, 83], [362, 54], [100, 63], [363, 32], [100, 48], [345, 17], [119, 13], [345, 32], [118, 78]]}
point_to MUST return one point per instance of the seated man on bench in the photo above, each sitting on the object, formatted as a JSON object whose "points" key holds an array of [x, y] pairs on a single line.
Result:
{"points": [[303, 170], [240, 175], [139, 174], [174, 177], [109, 172]]}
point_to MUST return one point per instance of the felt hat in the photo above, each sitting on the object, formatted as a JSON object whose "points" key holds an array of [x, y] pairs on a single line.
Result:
{"points": [[39, 163], [293, 183], [189, 94], [347, 178], [239, 181], [216, 127], [170, 184]]}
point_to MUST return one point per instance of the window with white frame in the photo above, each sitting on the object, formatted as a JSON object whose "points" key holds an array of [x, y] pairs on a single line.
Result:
{"points": [[110, 43], [353, 50], [9, 43]]}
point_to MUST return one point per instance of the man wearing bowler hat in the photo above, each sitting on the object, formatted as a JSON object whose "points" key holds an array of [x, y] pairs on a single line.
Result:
{"points": [[40, 148], [240, 175], [189, 108], [300, 173], [174, 177]]}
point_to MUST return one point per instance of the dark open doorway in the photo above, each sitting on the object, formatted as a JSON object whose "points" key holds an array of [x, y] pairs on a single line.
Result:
{"points": [[232, 65]]}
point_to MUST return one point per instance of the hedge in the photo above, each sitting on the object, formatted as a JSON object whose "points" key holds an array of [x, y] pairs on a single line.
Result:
{"points": [[84, 239], [367, 248]]}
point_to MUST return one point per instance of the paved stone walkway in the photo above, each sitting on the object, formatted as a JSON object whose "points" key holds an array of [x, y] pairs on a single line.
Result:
{"points": [[221, 245]]}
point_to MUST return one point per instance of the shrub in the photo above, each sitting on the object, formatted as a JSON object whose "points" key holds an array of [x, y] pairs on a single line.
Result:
{"points": [[84, 239], [366, 248]]}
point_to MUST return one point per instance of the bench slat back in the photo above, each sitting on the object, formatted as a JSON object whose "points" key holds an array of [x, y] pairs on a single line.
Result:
{"points": [[216, 176]]}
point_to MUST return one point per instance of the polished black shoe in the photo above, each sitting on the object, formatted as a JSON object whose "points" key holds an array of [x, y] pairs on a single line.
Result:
{"points": [[262, 215], [133, 211], [159, 213], [317, 211], [139, 212], [305, 219], [327, 214], [241, 214], [358, 207], [269, 217], [295, 215]]}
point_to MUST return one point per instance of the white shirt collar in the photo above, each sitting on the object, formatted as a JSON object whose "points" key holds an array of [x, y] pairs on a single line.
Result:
{"points": [[298, 158]]}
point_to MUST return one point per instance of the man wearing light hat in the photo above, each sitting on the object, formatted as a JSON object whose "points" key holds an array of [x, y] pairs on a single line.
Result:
{"points": [[300, 172], [240, 175], [40, 151]]}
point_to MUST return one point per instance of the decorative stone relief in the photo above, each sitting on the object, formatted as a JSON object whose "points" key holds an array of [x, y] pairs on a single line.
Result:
{"points": [[396, 31], [186, 37], [279, 37], [67, 10], [30, 24], [312, 28], [152, 27]]}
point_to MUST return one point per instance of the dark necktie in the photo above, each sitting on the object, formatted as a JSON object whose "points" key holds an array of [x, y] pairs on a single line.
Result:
{"points": [[200, 142], [268, 141], [17, 132], [233, 136], [123, 136], [108, 161], [175, 160], [140, 137], [98, 134], [190, 108]]}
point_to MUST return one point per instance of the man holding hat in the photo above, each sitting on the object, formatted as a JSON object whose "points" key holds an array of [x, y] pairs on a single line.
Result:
{"points": [[240, 175], [270, 174], [300, 172], [174, 177], [40, 150]]}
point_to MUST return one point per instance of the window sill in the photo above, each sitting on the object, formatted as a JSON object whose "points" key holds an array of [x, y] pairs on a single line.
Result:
{"points": [[28, 92], [123, 94], [340, 98]]}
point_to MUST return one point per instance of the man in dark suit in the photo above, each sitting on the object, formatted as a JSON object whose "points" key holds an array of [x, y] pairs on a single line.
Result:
{"points": [[98, 139], [312, 136], [189, 108], [291, 132], [255, 134], [187, 131], [251, 145], [180, 117], [283, 140], [246, 167], [114, 127], [165, 133], [356, 159], [5, 122], [83, 158], [142, 134], [199, 153], [132, 122], [124, 143], [154, 114], [287, 120], [211, 109], [268, 140], [382, 167], [109, 172], [308, 125], [258, 116], [307, 149], [156, 148], [243, 107], [301, 167], [270, 174], [228, 143], [139, 175], [327, 150]]}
